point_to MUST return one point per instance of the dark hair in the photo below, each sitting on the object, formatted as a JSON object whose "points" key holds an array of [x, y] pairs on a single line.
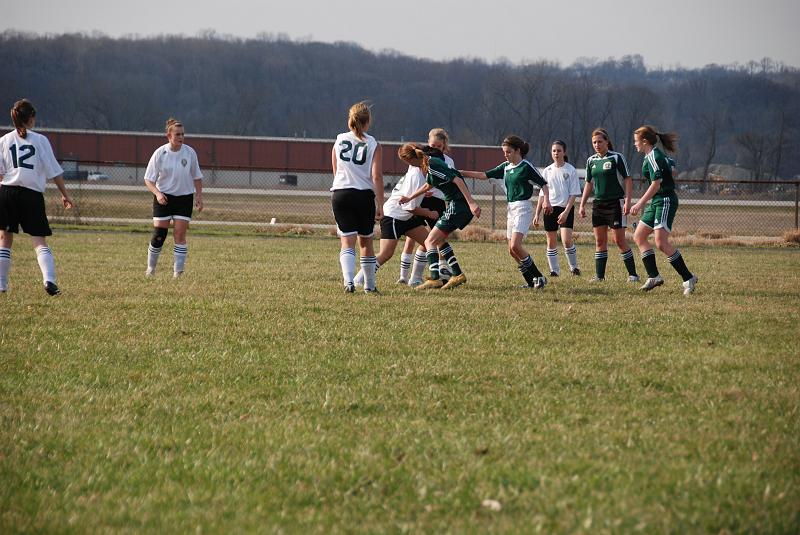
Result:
{"points": [[21, 114], [652, 136], [563, 146], [603, 132], [431, 151], [410, 151], [516, 142]]}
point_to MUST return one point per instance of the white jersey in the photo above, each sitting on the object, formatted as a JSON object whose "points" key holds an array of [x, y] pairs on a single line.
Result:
{"points": [[411, 182], [353, 161], [28, 162], [174, 172], [451, 164], [562, 182]]}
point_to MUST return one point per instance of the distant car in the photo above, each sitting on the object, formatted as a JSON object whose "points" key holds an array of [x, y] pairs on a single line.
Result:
{"points": [[97, 176]]}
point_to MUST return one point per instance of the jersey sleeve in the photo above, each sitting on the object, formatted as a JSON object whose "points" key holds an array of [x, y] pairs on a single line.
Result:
{"points": [[413, 180], [622, 165], [195, 167], [51, 166], [3, 169], [151, 173], [589, 170], [497, 173], [536, 177], [574, 183]]}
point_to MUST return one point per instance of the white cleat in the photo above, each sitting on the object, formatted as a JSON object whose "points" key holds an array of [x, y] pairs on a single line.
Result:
{"points": [[401, 280], [415, 282], [539, 283], [633, 278], [688, 286], [652, 282], [150, 273], [177, 275]]}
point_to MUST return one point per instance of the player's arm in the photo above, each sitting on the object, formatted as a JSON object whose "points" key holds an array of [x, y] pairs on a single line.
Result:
{"points": [[377, 181], [198, 194], [421, 191], [537, 214], [626, 208], [480, 175], [333, 159], [587, 190], [462, 187], [66, 200], [655, 185], [151, 186]]}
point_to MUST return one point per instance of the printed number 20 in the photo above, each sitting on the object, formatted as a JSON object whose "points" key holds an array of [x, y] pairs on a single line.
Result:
{"points": [[359, 152], [31, 150]]}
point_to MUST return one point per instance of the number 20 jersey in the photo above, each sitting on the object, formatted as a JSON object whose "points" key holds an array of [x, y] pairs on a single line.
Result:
{"points": [[28, 162], [353, 161]]}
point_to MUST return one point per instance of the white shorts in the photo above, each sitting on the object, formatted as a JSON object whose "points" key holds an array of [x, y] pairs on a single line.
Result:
{"points": [[519, 219]]}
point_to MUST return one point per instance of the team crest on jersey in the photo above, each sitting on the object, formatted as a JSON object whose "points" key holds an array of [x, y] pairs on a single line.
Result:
{"points": [[565, 175], [184, 161], [607, 166]]}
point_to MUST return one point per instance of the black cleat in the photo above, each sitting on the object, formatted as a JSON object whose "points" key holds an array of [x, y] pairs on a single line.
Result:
{"points": [[350, 288], [575, 271], [51, 288], [554, 274]]}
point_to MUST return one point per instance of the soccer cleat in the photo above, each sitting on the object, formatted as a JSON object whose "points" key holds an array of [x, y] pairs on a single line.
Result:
{"points": [[688, 286], [539, 283], [633, 278], [455, 280], [430, 284], [526, 285], [414, 283], [401, 280], [51, 288], [349, 288], [652, 282], [445, 274], [177, 275], [597, 279], [150, 273], [371, 291], [554, 273], [575, 271]]}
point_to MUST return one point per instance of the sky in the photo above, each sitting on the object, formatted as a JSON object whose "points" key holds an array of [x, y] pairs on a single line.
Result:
{"points": [[686, 33]]}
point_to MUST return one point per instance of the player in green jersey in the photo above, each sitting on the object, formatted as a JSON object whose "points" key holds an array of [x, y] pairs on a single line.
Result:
{"points": [[608, 177], [517, 176], [459, 212], [657, 218]]}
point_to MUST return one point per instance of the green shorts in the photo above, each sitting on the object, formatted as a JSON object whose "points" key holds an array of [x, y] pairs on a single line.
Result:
{"points": [[456, 216], [660, 213]]}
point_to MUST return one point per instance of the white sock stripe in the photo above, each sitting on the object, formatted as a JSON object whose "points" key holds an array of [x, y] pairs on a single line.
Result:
{"points": [[647, 253], [43, 249], [627, 254], [674, 256], [344, 252], [602, 254], [552, 252]]}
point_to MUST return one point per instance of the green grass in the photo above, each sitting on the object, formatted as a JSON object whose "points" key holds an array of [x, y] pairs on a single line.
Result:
{"points": [[254, 395]]}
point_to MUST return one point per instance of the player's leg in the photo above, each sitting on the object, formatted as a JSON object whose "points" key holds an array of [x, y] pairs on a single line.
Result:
{"points": [[626, 253], [47, 264], [181, 248], [406, 259], [570, 250], [533, 277], [6, 241], [600, 252], [648, 256], [435, 238]]}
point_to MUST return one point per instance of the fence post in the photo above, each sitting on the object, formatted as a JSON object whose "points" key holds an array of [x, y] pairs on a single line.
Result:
{"points": [[494, 203], [796, 203]]}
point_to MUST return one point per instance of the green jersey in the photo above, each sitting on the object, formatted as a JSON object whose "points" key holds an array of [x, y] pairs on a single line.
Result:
{"points": [[607, 173], [441, 176], [518, 180], [657, 166]]}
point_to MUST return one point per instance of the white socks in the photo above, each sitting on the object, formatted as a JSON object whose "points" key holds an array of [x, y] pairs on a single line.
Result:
{"points": [[369, 265], [180, 252], [418, 269], [5, 266], [405, 265], [152, 258], [347, 259], [572, 256], [552, 260], [46, 263]]}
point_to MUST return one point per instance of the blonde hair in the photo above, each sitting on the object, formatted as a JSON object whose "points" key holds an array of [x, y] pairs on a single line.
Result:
{"points": [[410, 152], [358, 118], [652, 136], [441, 135], [21, 114], [172, 122]]}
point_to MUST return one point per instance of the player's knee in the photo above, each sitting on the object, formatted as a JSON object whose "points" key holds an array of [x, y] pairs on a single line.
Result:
{"points": [[662, 242], [159, 235]]}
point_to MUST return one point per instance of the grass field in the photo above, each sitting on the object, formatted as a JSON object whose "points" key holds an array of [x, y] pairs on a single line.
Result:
{"points": [[254, 395], [691, 219]]}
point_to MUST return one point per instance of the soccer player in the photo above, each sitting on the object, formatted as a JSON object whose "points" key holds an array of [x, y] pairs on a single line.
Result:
{"points": [[438, 138], [173, 177], [26, 163], [659, 215], [459, 212], [517, 176], [608, 177], [357, 199], [565, 187], [402, 220]]}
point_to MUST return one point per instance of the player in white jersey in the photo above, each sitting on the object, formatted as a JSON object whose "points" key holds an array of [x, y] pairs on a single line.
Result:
{"points": [[357, 199], [565, 187], [402, 219], [26, 163], [173, 177], [439, 139]]}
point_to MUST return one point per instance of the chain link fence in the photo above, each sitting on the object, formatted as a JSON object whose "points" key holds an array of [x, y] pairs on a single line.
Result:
{"points": [[106, 193]]}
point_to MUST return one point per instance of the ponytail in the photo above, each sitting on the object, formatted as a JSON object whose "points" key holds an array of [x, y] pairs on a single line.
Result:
{"points": [[668, 139], [411, 153], [358, 118], [21, 114]]}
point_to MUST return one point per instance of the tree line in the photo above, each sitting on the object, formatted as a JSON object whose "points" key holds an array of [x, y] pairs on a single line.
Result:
{"points": [[743, 114]]}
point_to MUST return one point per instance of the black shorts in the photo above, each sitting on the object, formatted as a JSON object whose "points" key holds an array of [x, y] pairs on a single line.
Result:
{"points": [[608, 213], [23, 206], [393, 229], [437, 205], [177, 207], [551, 220], [354, 211]]}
